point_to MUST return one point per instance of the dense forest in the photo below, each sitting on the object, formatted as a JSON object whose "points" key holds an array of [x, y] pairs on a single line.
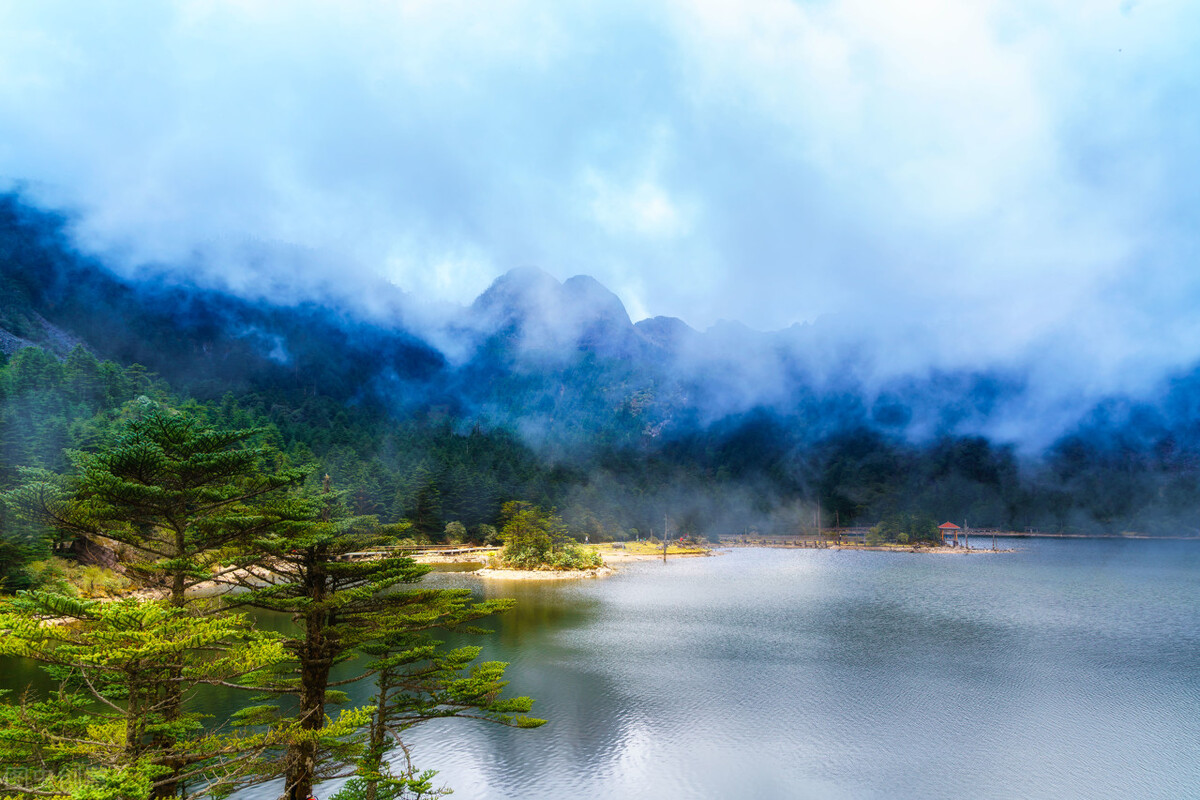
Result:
{"points": [[600, 429]]}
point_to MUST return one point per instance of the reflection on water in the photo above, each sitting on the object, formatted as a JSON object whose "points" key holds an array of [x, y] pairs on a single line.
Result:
{"points": [[19, 674], [1067, 670]]}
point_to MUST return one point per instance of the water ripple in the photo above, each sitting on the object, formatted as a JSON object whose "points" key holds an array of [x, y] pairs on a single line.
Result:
{"points": [[1069, 670]]}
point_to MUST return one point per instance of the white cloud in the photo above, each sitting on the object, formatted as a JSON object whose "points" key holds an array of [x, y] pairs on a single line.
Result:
{"points": [[1029, 164], [642, 209]]}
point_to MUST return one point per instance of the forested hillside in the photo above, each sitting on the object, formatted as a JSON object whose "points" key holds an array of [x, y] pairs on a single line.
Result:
{"points": [[592, 415]]}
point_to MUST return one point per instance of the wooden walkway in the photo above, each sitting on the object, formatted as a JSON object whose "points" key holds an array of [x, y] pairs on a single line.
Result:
{"points": [[416, 550]]}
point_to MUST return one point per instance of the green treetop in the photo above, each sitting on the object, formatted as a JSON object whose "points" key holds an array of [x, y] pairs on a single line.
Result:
{"points": [[176, 493], [118, 718], [534, 538], [171, 488], [327, 569]]}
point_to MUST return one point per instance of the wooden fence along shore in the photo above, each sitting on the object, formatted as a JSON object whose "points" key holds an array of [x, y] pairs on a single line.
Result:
{"points": [[418, 550]]}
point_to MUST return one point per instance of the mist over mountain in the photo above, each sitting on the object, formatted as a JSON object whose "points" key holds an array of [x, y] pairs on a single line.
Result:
{"points": [[961, 185], [564, 352], [461, 273], [727, 419]]}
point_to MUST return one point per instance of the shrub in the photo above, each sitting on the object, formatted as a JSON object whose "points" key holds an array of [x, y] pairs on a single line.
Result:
{"points": [[69, 578], [487, 534], [534, 539], [456, 533]]}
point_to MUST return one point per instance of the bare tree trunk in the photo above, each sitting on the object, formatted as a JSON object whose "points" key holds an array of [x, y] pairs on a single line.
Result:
{"points": [[302, 755], [172, 693], [315, 663], [378, 736]]}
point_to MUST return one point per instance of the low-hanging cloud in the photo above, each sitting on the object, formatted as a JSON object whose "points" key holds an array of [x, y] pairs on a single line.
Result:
{"points": [[958, 183]]}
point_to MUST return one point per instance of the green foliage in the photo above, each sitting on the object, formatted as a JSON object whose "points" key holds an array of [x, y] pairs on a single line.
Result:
{"points": [[416, 681], [487, 534], [905, 528], [344, 605], [115, 726], [169, 486], [536, 539], [413, 786], [47, 408], [71, 578], [177, 492], [126, 782], [456, 532]]}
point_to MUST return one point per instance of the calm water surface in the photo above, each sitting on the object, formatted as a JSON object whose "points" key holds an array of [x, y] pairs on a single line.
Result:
{"points": [[1067, 670], [1070, 669]]}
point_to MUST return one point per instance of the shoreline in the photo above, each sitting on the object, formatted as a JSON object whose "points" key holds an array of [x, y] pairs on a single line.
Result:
{"points": [[611, 559], [488, 573], [933, 551], [615, 558]]}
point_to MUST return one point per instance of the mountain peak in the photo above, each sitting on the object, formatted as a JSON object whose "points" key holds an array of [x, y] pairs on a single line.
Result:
{"points": [[586, 297], [669, 333], [520, 289], [545, 316]]}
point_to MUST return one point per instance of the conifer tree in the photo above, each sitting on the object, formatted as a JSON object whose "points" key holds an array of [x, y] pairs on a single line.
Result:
{"points": [[343, 605], [415, 682], [178, 493], [175, 490], [110, 723]]}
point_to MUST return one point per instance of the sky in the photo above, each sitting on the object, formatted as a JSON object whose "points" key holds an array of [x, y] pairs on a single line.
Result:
{"points": [[988, 182]]}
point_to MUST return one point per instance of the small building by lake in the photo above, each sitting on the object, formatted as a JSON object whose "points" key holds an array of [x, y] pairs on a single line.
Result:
{"points": [[947, 528]]}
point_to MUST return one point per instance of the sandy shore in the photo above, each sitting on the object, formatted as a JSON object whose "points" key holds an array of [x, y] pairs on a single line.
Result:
{"points": [[542, 574], [611, 557]]}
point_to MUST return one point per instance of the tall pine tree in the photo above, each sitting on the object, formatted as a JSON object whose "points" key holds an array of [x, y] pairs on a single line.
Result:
{"points": [[177, 493], [332, 572]]}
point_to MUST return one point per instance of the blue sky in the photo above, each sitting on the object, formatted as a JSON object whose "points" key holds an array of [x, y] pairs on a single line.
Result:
{"points": [[986, 181]]}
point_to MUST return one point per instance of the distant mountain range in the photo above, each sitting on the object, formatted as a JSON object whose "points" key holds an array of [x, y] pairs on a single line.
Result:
{"points": [[559, 360], [563, 364]]}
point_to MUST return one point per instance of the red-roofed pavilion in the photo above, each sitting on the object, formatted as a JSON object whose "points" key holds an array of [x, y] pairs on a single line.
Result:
{"points": [[945, 528]]}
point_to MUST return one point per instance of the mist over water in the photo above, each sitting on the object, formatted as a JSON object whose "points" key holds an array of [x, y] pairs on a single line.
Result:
{"points": [[637, 426]]}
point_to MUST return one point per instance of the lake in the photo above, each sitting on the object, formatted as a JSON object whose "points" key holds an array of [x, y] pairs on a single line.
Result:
{"points": [[1069, 669]]}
